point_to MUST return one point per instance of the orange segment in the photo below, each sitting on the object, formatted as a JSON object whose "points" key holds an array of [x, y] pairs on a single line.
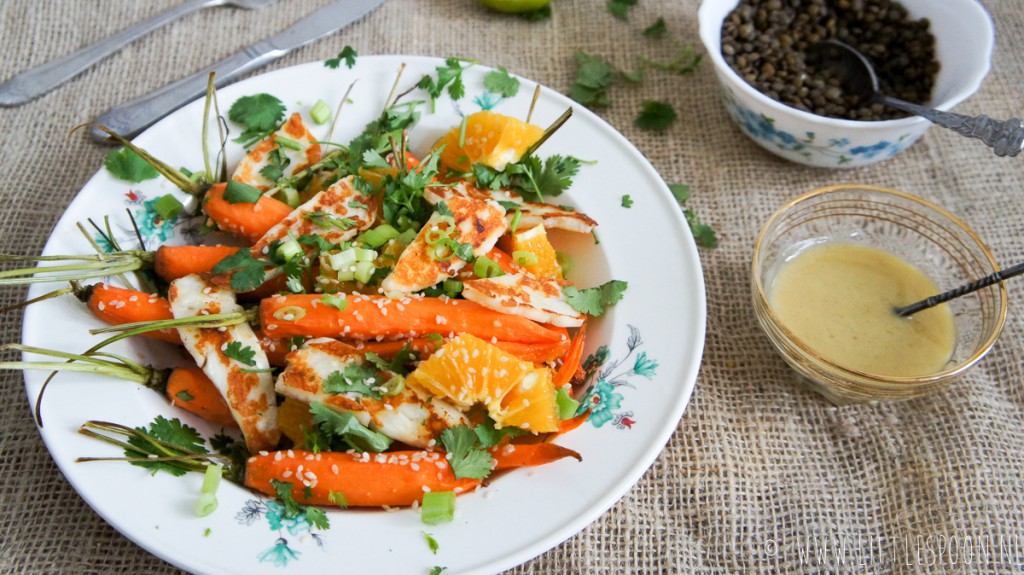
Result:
{"points": [[491, 139], [535, 241], [468, 370], [294, 418]]}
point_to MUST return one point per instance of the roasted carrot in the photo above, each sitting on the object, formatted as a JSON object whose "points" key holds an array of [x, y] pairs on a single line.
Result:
{"points": [[118, 306], [573, 358], [370, 480], [530, 455], [395, 478], [173, 262], [190, 389], [567, 425], [370, 317], [535, 352], [245, 220]]}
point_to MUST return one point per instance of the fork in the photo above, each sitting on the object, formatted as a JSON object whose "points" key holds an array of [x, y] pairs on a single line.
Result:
{"points": [[37, 81]]}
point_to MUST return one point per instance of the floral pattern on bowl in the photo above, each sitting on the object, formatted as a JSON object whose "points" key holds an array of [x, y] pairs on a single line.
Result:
{"points": [[762, 128]]}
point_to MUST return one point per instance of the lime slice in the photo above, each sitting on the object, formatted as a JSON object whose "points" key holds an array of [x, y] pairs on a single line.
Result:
{"points": [[515, 6]]}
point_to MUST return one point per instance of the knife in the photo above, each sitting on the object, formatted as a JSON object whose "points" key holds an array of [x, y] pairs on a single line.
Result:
{"points": [[135, 116]]}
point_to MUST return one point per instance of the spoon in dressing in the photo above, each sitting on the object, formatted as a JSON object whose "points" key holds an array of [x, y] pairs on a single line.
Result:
{"points": [[857, 77], [965, 289]]}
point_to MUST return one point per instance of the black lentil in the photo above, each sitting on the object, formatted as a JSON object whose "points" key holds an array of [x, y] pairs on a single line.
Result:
{"points": [[765, 42]]}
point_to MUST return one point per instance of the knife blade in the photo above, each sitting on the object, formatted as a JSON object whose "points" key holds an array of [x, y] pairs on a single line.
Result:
{"points": [[133, 117]]}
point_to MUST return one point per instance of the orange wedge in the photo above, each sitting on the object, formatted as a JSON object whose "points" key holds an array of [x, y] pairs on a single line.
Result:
{"points": [[540, 257], [491, 139], [468, 370]]}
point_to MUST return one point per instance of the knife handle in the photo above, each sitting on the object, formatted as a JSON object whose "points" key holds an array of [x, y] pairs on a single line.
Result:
{"points": [[37, 81], [133, 117]]}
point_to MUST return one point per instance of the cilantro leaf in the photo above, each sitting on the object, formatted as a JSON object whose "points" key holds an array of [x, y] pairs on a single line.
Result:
{"points": [[442, 209], [241, 353], [345, 427], [241, 193], [317, 518], [467, 458], [593, 301], [326, 221], [537, 15], [620, 8], [703, 233], [593, 78], [685, 61], [284, 493], [277, 161], [361, 378], [184, 395], [347, 54], [500, 82], [259, 114], [125, 164], [248, 273], [627, 202], [173, 431], [656, 30], [655, 115], [556, 175], [431, 542], [338, 498], [448, 76], [437, 570], [489, 435]]}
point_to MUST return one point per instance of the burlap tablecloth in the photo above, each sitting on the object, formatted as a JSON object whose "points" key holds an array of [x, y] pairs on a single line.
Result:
{"points": [[761, 476]]}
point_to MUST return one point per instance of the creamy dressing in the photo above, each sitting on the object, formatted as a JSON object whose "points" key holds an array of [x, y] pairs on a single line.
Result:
{"points": [[838, 298]]}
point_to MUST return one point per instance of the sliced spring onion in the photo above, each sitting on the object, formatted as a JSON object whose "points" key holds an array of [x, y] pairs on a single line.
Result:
{"points": [[288, 143], [436, 235], [290, 196], [342, 260], [438, 507], [211, 479], [452, 288], [337, 302], [485, 267], [394, 386], [567, 406], [407, 236], [379, 235], [206, 504], [289, 249], [364, 255], [167, 207], [364, 271], [320, 112], [290, 313], [514, 224], [525, 258], [565, 262]]}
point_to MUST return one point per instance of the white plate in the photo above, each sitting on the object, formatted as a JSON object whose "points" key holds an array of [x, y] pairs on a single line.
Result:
{"points": [[654, 339]]}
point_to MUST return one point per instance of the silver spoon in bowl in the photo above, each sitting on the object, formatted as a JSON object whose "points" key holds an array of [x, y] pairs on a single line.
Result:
{"points": [[857, 77]]}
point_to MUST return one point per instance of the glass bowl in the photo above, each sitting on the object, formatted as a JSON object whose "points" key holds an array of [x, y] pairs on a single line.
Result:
{"points": [[919, 232]]}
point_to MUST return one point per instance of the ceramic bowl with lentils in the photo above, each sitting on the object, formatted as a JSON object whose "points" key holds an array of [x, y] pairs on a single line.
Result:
{"points": [[924, 51]]}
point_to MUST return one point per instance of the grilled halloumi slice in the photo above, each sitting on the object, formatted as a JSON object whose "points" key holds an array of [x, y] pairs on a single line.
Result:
{"points": [[478, 223], [522, 294], [294, 131], [249, 393], [530, 213], [336, 214], [411, 416]]}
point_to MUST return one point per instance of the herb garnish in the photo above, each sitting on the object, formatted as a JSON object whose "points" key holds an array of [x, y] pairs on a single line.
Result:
{"points": [[655, 115], [656, 30], [340, 430], [627, 202], [593, 301], [703, 233], [240, 353], [361, 378], [449, 75], [260, 114], [620, 8], [467, 458], [593, 78], [127, 165], [347, 54], [500, 82]]}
